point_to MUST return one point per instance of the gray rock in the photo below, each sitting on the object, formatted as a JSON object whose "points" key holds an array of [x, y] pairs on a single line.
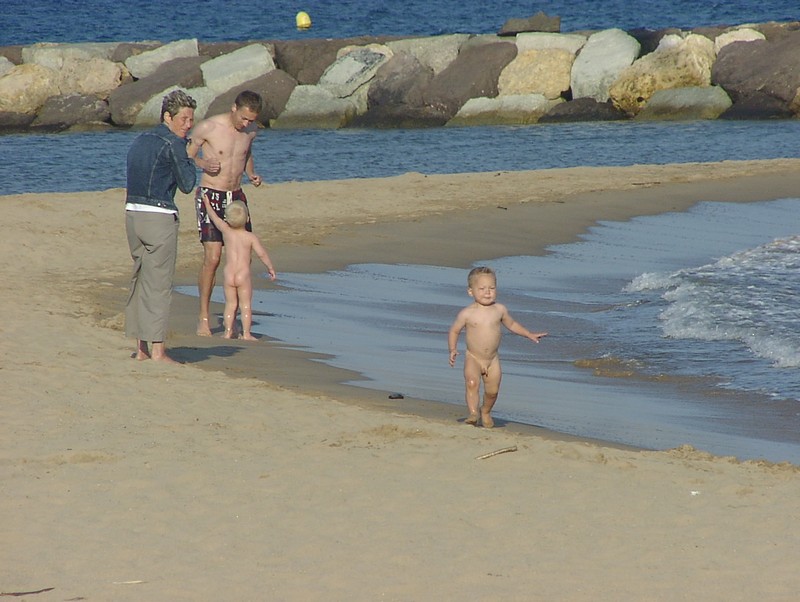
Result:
{"points": [[230, 70], [150, 113], [436, 52], [274, 87], [26, 87], [768, 67], [55, 55], [602, 59], [63, 112], [572, 43], [314, 107], [353, 69], [473, 74], [583, 109], [538, 22], [306, 60], [5, 66], [147, 63], [127, 100], [686, 103], [758, 105], [521, 109]]}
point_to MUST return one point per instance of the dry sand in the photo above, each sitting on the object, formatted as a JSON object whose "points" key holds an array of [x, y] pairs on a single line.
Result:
{"points": [[249, 474]]}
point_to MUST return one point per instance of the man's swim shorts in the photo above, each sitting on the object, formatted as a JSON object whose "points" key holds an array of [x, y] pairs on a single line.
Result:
{"points": [[218, 199]]}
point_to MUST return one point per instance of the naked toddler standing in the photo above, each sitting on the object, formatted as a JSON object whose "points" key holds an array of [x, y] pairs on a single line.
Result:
{"points": [[239, 246], [482, 320]]}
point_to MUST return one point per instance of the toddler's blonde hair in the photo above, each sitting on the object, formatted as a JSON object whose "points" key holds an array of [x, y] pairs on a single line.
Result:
{"points": [[236, 214]]}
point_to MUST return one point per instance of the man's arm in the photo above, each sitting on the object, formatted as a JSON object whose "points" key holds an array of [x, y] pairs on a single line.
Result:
{"points": [[250, 170], [199, 138]]}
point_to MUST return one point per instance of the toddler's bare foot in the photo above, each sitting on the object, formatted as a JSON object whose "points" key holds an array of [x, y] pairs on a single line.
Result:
{"points": [[472, 418], [486, 421], [203, 328]]}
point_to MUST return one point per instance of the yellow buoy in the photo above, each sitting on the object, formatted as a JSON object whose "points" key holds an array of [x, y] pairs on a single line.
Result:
{"points": [[303, 20]]}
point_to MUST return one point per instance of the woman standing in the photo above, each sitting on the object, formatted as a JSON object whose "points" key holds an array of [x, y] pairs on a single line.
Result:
{"points": [[157, 166]]}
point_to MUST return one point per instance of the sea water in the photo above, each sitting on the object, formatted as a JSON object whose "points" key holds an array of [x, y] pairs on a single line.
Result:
{"points": [[664, 330]]}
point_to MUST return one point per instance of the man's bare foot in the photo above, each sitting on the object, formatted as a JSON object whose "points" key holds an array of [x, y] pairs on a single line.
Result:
{"points": [[248, 337], [230, 333], [203, 328], [472, 418], [486, 421]]}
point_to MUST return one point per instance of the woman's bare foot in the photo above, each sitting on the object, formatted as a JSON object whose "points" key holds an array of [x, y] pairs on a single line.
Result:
{"points": [[141, 351], [159, 354], [203, 328]]}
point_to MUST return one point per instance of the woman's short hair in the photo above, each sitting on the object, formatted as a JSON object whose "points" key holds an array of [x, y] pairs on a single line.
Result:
{"points": [[175, 101]]}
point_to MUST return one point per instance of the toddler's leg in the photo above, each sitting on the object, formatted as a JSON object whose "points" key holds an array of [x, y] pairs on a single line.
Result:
{"points": [[245, 302], [231, 305], [472, 382], [491, 389]]}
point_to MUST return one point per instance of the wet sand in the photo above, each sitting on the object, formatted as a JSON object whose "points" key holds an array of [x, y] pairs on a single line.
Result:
{"points": [[249, 473]]}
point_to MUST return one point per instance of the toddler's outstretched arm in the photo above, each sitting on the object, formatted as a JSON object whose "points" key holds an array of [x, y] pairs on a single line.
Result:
{"points": [[220, 223]]}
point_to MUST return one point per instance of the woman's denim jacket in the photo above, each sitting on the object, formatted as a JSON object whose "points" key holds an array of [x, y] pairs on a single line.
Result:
{"points": [[157, 165]]}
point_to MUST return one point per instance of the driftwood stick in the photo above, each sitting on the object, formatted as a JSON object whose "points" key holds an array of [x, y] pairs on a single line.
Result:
{"points": [[496, 452]]}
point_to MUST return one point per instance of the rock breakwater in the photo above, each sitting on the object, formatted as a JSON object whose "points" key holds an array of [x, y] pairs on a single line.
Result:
{"points": [[749, 71]]}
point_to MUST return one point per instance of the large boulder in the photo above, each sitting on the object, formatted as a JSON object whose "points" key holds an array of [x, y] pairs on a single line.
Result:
{"points": [[274, 87], [5, 66], [92, 76], [230, 70], [147, 63], [583, 109], [55, 56], [686, 103], [605, 55], [354, 67], [571, 42], [26, 87], [315, 107], [435, 53], [150, 113], [545, 72], [744, 34], [538, 22], [127, 100], [759, 105], [396, 95], [63, 112], [306, 60], [473, 74], [522, 109], [676, 63], [766, 67]]}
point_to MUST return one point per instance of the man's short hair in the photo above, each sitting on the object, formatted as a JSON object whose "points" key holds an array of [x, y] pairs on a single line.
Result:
{"points": [[250, 100], [175, 101]]}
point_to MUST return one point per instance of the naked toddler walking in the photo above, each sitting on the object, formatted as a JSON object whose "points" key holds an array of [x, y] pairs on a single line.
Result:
{"points": [[238, 285], [482, 320]]}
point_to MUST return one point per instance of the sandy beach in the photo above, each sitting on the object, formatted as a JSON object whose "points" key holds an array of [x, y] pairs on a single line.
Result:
{"points": [[249, 473]]}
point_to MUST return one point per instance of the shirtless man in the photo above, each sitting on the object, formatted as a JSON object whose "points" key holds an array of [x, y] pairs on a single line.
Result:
{"points": [[226, 143], [482, 320]]}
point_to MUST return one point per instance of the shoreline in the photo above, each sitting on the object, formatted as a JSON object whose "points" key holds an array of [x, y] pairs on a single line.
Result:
{"points": [[456, 236], [257, 475]]}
